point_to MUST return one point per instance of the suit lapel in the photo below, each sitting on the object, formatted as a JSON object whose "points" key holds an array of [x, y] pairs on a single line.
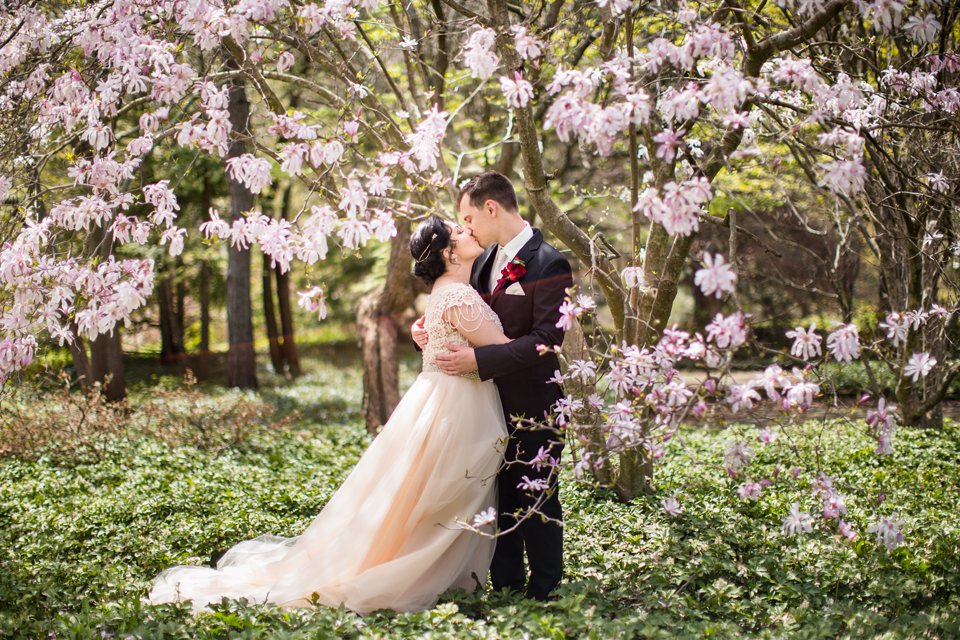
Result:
{"points": [[525, 255]]}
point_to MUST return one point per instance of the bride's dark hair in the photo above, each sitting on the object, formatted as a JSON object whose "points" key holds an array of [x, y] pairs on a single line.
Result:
{"points": [[426, 246]]}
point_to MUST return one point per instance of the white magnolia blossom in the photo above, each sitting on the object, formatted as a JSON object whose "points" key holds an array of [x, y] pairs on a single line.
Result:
{"points": [[478, 53]]}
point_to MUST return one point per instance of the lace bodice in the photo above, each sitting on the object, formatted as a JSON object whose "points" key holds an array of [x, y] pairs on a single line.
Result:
{"points": [[460, 302]]}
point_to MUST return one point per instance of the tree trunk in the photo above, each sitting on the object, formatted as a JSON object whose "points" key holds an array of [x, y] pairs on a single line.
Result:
{"points": [[171, 333], [378, 325], [288, 346], [181, 301], [204, 307], [106, 365], [106, 354], [270, 316], [81, 363], [241, 358]]}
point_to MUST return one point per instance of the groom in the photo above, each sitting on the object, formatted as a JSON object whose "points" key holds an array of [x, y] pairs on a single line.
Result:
{"points": [[524, 280]]}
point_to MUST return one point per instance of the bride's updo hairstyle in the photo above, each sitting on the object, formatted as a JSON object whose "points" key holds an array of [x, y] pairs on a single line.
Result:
{"points": [[426, 246]]}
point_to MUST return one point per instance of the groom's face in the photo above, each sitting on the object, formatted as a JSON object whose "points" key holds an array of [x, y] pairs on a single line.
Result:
{"points": [[481, 221]]}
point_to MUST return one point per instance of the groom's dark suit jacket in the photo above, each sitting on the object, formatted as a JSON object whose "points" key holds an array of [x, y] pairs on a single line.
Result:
{"points": [[518, 370]]}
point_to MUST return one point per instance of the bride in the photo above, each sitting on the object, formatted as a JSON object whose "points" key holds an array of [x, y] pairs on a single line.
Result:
{"points": [[389, 538]]}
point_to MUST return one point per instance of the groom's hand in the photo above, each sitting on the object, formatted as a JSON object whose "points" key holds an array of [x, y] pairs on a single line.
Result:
{"points": [[457, 360], [419, 334]]}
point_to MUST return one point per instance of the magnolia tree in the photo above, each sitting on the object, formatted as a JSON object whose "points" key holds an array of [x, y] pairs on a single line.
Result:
{"points": [[394, 102]]}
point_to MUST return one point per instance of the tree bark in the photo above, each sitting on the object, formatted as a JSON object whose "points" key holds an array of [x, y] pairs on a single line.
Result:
{"points": [[378, 326], [106, 365], [288, 345], [241, 358], [106, 354], [81, 362], [270, 317], [171, 332]]}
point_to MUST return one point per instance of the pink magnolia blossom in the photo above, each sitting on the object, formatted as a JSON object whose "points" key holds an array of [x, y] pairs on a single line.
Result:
{"points": [[313, 300], [738, 455], [882, 422], [716, 277], [797, 521], [741, 397], [749, 491], [250, 171], [517, 92], [528, 47], [923, 30], [919, 366], [888, 531], [800, 393], [834, 506], [897, 327], [671, 506], [535, 484], [478, 53], [667, 143], [292, 157], [806, 342], [425, 140], [354, 233], [844, 529], [843, 177], [569, 311], [484, 518], [727, 332], [844, 343], [678, 209], [617, 7], [284, 61]]}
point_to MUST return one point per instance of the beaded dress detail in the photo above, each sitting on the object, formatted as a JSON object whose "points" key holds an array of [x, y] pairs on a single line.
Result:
{"points": [[459, 302]]}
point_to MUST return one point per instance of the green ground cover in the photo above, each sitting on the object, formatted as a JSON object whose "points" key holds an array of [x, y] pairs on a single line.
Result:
{"points": [[83, 530]]}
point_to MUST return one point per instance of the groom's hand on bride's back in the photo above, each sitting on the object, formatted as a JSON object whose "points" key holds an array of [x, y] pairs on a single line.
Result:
{"points": [[419, 333], [457, 360]]}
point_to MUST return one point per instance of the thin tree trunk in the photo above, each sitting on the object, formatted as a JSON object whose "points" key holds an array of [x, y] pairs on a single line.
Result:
{"points": [[377, 330], [171, 334], [81, 362], [202, 360], [241, 358], [106, 354], [204, 307], [288, 346], [181, 301], [270, 316]]}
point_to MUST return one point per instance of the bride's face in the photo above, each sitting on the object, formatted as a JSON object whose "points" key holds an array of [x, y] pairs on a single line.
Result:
{"points": [[464, 248]]}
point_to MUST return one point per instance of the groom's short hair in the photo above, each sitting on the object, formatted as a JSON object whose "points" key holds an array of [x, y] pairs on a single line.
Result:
{"points": [[490, 185]]}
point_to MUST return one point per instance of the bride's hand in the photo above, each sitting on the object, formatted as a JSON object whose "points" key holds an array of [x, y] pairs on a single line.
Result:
{"points": [[419, 334]]}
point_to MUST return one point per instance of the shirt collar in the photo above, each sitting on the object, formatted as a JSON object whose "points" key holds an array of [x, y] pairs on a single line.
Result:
{"points": [[512, 248]]}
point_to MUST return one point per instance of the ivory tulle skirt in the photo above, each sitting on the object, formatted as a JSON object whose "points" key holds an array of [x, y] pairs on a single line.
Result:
{"points": [[388, 538]]}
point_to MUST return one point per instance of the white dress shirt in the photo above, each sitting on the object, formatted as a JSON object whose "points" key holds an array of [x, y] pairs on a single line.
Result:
{"points": [[508, 252]]}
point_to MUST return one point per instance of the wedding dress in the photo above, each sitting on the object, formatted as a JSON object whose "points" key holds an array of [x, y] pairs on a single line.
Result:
{"points": [[388, 537]]}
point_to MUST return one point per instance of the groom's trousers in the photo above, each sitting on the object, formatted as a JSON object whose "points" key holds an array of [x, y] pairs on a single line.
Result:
{"points": [[540, 532]]}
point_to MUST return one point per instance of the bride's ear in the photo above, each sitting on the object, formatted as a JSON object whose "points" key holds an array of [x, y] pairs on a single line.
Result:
{"points": [[450, 256]]}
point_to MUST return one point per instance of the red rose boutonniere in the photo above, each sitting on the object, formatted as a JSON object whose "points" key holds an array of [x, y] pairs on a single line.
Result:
{"points": [[514, 270]]}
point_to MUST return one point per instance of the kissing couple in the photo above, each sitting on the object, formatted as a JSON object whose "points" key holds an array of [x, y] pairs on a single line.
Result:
{"points": [[471, 438]]}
